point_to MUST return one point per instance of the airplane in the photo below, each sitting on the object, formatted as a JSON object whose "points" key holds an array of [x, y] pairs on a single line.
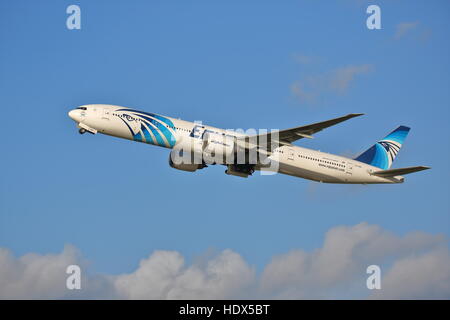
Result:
{"points": [[201, 145]]}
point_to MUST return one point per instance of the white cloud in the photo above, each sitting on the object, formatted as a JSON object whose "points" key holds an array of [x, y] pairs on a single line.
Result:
{"points": [[164, 276], [341, 78], [415, 265], [342, 260], [303, 59], [337, 81], [404, 28], [34, 276], [299, 90], [425, 276]]}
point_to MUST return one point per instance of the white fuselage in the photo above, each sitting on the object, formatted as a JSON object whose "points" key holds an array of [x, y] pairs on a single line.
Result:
{"points": [[291, 160]]}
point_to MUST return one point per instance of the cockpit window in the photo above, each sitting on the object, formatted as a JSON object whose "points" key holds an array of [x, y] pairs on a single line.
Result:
{"points": [[82, 108]]}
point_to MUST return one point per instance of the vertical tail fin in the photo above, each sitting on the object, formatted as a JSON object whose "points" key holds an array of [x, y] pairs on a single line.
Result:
{"points": [[383, 153]]}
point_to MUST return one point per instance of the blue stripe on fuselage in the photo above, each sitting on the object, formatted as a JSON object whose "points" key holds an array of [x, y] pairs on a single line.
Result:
{"points": [[136, 137], [159, 139], [167, 134]]}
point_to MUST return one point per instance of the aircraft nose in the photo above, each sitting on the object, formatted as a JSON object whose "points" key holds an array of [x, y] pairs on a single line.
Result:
{"points": [[75, 115]]}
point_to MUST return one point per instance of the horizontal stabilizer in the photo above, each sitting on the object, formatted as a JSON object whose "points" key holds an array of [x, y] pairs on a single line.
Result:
{"points": [[399, 171]]}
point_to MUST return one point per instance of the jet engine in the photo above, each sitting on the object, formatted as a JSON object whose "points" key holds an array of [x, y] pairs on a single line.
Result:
{"points": [[184, 162]]}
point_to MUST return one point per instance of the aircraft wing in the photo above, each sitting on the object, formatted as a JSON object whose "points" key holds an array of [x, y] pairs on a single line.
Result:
{"points": [[271, 140], [293, 134]]}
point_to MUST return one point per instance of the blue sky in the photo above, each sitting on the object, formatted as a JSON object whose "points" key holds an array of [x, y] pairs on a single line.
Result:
{"points": [[232, 65]]}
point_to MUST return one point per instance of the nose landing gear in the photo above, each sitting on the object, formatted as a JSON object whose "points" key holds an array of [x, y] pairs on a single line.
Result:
{"points": [[82, 129]]}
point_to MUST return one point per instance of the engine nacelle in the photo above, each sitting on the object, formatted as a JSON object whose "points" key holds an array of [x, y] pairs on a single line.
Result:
{"points": [[184, 162], [211, 148]]}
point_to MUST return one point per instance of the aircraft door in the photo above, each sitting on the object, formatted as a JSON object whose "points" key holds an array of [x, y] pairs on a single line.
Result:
{"points": [[106, 113], [290, 154], [348, 168]]}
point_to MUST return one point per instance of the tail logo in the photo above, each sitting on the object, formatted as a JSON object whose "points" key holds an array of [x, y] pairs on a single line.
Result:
{"points": [[391, 148], [383, 153]]}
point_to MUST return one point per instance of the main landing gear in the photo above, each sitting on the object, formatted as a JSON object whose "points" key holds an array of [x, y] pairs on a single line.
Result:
{"points": [[82, 131]]}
